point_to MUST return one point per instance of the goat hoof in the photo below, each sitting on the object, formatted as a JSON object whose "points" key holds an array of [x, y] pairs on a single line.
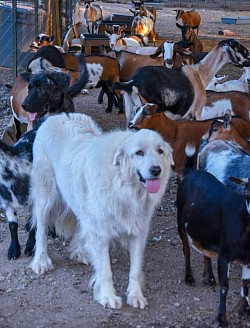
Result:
{"points": [[29, 251], [210, 281], [108, 110], [100, 101], [222, 320], [189, 280], [14, 252], [243, 307]]}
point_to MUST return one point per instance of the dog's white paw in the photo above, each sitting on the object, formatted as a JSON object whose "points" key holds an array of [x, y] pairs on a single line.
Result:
{"points": [[79, 256], [113, 302], [41, 265], [137, 301]]}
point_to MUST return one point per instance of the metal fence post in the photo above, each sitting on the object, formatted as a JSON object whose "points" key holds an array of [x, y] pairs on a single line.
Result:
{"points": [[14, 38]]}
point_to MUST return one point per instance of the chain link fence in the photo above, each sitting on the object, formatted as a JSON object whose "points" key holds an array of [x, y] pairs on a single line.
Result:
{"points": [[22, 21]]}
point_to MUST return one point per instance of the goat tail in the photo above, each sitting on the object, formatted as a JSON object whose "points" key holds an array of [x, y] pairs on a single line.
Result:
{"points": [[83, 78], [124, 86], [190, 159]]}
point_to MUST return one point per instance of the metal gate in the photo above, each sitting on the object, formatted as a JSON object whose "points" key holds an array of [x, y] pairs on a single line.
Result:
{"points": [[22, 21]]}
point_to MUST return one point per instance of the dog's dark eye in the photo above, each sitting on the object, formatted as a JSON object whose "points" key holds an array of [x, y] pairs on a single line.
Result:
{"points": [[160, 151], [140, 153]]}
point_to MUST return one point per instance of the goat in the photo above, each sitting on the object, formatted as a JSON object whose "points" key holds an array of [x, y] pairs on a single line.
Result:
{"points": [[41, 40], [170, 51], [118, 41], [178, 133], [225, 159], [215, 221], [165, 54], [225, 129], [241, 84], [191, 17], [92, 15], [218, 103], [105, 70], [14, 192], [188, 35], [173, 89], [144, 26], [149, 12]]}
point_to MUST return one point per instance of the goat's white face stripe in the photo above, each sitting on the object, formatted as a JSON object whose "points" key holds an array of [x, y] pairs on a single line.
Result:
{"points": [[168, 52]]}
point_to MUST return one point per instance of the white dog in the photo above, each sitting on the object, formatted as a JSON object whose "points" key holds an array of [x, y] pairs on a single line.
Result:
{"points": [[111, 182]]}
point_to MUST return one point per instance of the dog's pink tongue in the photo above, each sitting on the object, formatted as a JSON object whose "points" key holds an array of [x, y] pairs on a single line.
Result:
{"points": [[153, 185], [32, 116]]}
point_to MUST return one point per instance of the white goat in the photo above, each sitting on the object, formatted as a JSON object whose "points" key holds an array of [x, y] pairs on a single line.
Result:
{"points": [[118, 41], [242, 84]]}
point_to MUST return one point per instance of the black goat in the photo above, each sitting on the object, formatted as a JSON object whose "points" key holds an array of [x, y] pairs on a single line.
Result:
{"points": [[216, 222]]}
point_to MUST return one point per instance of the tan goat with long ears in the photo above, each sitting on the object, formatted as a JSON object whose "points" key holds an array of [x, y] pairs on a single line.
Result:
{"points": [[191, 17], [92, 15]]}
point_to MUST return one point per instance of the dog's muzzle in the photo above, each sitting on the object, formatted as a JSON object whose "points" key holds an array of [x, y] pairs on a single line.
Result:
{"points": [[152, 185]]}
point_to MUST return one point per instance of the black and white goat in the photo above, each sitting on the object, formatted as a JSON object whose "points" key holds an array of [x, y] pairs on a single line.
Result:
{"points": [[16, 161], [216, 222], [225, 159], [173, 90]]}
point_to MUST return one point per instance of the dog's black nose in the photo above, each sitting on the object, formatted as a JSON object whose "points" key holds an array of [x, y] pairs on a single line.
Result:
{"points": [[25, 107], [155, 170]]}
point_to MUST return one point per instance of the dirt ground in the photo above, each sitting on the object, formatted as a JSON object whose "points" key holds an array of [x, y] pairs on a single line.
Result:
{"points": [[62, 298]]}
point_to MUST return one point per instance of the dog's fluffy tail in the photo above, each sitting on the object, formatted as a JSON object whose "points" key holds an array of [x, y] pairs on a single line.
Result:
{"points": [[83, 78]]}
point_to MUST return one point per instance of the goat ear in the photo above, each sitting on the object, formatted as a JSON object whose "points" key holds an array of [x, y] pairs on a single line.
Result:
{"points": [[242, 182], [107, 34], [179, 25], [149, 109], [157, 53]]}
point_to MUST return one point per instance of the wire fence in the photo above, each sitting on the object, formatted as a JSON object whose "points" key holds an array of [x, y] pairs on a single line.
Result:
{"points": [[22, 21]]}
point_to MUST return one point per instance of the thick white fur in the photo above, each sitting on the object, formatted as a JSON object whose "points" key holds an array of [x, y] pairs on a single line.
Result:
{"points": [[78, 168]]}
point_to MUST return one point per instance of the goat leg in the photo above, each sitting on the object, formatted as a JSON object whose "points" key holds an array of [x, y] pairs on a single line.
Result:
{"points": [[244, 305], [15, 249], [100, 97], [223, 282], [189, 278], [209, 278]]}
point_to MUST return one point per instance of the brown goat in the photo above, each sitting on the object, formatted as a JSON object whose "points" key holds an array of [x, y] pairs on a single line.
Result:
{"points": [[149, 12], [178, 133], [188, 35], [144, 26], [129, 62], [92, 15], [225, 129], [218, 102], [191, 17]]}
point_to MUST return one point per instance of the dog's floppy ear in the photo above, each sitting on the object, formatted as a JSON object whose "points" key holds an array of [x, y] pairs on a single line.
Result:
{"points": [[119, 154], [60, 79]]}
